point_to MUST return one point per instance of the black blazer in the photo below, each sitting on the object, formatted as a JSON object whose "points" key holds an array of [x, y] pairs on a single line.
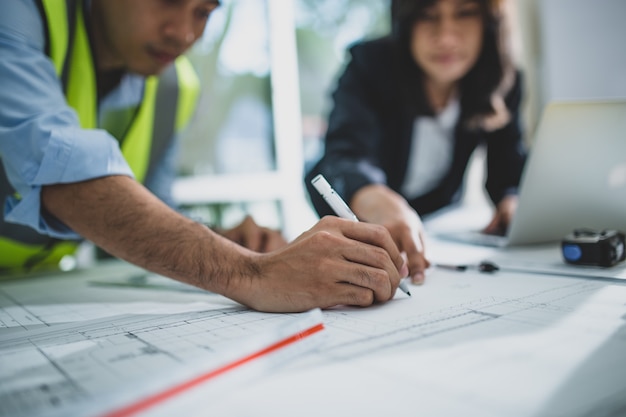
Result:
{"points": [[370, 130]]}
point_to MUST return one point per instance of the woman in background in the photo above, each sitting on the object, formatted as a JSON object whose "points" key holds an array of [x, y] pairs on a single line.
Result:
{"points": [[409, 110]]}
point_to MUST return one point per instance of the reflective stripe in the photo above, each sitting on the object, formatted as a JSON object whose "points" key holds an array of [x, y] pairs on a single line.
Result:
{"points": [[81, 90], [138, 141], [189, 89], [174, 92], [18, 256]]}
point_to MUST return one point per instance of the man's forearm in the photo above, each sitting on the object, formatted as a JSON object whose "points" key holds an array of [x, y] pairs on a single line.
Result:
{"points": [[125, 219], [335, 262]]}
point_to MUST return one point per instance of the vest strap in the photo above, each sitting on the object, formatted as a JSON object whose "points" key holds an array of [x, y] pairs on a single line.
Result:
{"points": [[164, 116], [26, 258]]}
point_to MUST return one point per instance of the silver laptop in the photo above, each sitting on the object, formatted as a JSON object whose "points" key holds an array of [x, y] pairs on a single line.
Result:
{"points": [[575, 176]]}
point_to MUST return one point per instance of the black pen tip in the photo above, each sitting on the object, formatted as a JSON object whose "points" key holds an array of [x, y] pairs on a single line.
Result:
{"points": [[409, 293]]}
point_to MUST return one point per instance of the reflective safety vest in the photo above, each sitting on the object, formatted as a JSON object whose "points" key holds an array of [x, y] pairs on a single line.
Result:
{"points": [[166, 107]]}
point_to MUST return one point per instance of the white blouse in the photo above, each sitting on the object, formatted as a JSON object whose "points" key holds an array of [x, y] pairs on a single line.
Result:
{"points": [[431, 150]]}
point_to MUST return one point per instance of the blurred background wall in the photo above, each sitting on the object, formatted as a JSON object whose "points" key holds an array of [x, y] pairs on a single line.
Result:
{"points": [[268, 68]]}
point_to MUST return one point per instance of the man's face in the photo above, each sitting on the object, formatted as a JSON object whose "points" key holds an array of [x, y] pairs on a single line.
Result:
{"points": [[145, 36], [447, 39]]}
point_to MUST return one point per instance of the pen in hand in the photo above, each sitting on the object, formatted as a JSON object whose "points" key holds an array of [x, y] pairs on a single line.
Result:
{"points": [[341, 209]]}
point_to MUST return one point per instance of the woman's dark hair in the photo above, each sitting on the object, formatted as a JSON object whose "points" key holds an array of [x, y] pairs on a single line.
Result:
{"points": [[483, 88]]}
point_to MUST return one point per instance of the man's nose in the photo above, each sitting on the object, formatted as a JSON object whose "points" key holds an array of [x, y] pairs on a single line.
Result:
{"points": [[180, 29]]}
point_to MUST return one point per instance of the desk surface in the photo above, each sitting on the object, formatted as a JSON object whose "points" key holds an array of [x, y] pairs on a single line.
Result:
{"points": [[467, 343]]}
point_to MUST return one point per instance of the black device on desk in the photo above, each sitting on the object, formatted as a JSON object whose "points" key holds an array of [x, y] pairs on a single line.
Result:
{"points": [[595, 248]]}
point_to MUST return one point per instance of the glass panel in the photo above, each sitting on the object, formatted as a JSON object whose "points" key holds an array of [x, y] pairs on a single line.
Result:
{"points": [[243, 153], [232, 132], [325, 29], [233, 128]]}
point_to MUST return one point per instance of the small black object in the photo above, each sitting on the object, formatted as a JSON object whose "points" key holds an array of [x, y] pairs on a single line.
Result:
{"points": [[486, 266], [595, 248]]}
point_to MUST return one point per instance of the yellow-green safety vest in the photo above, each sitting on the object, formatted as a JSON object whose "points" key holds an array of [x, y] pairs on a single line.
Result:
{"points": [[167, 106]]}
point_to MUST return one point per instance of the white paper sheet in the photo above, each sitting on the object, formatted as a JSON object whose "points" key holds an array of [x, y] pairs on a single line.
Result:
{"points": [[466, 344], [96, 366]]}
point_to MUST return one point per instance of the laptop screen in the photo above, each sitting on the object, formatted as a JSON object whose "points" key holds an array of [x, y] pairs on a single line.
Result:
{"points": [[575, 176]]}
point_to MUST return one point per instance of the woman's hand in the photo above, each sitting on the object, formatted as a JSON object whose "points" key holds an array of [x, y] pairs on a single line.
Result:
{"points": [[380, 205], [502, 217]]}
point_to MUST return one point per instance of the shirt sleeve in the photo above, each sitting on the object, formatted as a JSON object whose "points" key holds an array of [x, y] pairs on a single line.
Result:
{"points": [[41, 141]]}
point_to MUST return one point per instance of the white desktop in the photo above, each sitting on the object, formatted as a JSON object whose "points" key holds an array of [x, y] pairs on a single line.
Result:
{"points": [[537, 338], [515, 342]]}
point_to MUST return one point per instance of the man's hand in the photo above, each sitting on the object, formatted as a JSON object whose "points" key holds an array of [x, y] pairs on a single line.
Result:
{"points": [[380, 205], [337, 262], [252, 236]]}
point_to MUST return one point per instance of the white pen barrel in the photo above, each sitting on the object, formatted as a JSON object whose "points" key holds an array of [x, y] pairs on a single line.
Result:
{"points": [[332, 198]]}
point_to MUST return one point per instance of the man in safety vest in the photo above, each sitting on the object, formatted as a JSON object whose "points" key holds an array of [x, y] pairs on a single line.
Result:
{"points": [[143, 114], [92, 95]]}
